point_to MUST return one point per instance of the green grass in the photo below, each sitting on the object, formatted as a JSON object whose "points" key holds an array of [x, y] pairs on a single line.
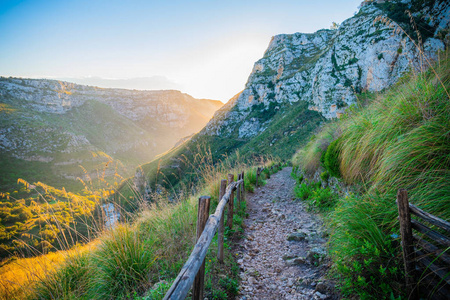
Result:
{"points": [[397, 139], [317, 198], [308, 157]]}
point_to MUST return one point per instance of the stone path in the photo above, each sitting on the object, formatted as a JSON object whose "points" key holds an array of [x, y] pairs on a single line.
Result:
{"points": [[283, 253]]}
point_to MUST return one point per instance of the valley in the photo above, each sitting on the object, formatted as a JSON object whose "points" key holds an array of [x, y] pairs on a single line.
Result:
{"points": [[56, 132]]}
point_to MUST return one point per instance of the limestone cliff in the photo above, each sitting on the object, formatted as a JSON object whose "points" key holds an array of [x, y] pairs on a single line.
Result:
{"points": [[368, 52]]}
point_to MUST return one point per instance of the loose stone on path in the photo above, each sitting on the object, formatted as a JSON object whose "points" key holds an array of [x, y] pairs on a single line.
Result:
{"points": [[283, 253]]}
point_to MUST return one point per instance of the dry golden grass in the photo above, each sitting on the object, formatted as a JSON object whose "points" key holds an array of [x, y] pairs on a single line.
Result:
{"points": [[18, 276]]}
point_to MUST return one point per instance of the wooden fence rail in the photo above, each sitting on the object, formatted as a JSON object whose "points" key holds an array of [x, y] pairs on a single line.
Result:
{"points": [[193, 269], [426, 257]]}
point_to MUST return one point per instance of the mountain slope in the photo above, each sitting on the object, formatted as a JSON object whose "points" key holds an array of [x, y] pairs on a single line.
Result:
{"points": [[304, 79], [49, 128]]}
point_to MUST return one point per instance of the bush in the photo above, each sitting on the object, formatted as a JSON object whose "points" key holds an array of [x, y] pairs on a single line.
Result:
{"points": [[324, 199], [266, 173], [303, 191], [315, 196], [331, 159]]}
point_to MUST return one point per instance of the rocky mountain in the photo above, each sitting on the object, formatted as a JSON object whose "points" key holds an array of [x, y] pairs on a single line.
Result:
{"points": [[305, 79], [49, 128], [328, 68]]}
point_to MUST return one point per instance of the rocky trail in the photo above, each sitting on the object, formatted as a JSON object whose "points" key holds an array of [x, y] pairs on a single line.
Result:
{"points": [[283, 253]]}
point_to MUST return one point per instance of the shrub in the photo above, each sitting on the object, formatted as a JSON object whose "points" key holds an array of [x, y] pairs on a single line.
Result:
{"points": [[250, 179], [266, 173], [309, 157], [323, 199], [315, 196], [303, 191]]}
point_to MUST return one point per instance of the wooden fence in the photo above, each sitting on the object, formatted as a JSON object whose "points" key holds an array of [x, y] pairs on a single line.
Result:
{"points": [[193, 271], [426, 254]]}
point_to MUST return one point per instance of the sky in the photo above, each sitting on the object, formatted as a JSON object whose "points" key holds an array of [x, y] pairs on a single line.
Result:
{"points": [[204, 48]]}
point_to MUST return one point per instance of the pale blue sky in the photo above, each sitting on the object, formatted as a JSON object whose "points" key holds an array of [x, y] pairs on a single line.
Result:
{"points": [[204, 48]]}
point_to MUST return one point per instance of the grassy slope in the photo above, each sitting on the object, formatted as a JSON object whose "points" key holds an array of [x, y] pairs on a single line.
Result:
{"points": [[400, 140]]}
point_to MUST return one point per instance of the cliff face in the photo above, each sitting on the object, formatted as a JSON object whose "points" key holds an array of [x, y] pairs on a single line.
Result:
{"points": [[62, 125], [327, 68]]}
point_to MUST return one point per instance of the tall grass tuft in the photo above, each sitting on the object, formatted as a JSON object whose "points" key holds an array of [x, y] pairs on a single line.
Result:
{"points": [[308, 158], [69, 281], [124, 262], [366, 254]]}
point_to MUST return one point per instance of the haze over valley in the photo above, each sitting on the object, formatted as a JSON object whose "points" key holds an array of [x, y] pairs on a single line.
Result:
{"points": [[54, 131]]}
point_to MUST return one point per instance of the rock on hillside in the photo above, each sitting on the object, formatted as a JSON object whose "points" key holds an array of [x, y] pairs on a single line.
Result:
{"points": [[57, 125], [327, 68]]}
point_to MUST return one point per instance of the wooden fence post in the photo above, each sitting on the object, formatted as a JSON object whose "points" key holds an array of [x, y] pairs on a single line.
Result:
{"points": [[257, 175], [203, 214], [223, 186], [230, 204], [238, 192], [243, 186], [407, 243]]}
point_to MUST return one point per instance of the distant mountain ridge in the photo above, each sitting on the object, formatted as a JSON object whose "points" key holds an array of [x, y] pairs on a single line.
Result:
{"points": [[60, 125]]}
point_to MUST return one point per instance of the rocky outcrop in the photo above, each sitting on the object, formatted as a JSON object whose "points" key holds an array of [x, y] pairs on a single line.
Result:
{"points": [[329, 67]]}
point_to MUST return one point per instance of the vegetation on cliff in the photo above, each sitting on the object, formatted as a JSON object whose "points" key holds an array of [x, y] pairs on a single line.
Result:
{"points": [[398, 140]]}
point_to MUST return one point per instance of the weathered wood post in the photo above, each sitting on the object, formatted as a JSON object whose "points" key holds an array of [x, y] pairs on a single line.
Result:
{"points": [[203, 214], [230, 204], [223, 187], [243, 186], [257, 175], [407, 243], [238, 192]]}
